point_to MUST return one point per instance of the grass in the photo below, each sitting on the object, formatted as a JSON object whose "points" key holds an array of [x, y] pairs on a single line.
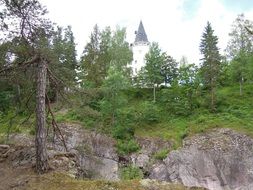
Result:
{"points": [[56, 181], [233, 111], [176, 129], [15, 123], [161, 154]]}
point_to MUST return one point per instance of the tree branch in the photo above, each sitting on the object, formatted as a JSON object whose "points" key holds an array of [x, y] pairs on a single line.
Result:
{"points": [[249, 31], [54, 124], [56, 83], [21, 64]]}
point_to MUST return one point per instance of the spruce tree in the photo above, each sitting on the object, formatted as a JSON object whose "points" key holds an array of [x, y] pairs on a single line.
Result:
{"points": [[210, 63], [90, 59]]}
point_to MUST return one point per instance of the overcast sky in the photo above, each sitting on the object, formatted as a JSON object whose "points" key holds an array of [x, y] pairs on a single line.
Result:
{"points": [[177, 25]]}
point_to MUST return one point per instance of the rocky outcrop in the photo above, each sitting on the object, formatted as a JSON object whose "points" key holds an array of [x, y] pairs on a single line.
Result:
{"points": [[95, 153], [149, 146], [219, 160], [90, 154]]}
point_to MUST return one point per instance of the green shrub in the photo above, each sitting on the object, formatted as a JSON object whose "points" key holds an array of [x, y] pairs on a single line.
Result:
{"points": [[123, 132], [150, 112], [161, 154], [127, 116], [5, 100], [202, 119], [131, 172], [184, 134], [176, 101], [125, 147]]}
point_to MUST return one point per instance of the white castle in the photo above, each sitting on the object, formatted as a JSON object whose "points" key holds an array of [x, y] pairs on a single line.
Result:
{"points": [[140, 48]]}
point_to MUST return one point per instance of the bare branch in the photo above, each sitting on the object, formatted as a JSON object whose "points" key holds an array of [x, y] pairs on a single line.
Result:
{"points": [[54, 124], [248, 30]]}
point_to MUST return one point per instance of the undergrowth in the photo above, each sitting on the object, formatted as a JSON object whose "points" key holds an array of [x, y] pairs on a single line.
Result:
{"points": [[144, 118]]}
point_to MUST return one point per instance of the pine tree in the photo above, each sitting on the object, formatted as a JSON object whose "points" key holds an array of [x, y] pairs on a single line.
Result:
{"points": [[29, 41], [64, 58], [210, 63], [31, 56], [93, 67]]}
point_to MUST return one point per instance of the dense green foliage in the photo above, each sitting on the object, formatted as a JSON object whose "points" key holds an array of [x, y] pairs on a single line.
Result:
{"points": [[151, 74], [169, 100], [106, 48], [211, 63], [239, 50]]}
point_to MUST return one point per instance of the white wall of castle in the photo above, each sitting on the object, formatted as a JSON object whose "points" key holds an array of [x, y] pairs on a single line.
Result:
{"points": [[139, 52]]}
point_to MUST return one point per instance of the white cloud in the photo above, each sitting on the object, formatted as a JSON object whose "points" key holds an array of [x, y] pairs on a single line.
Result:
{"points": [[164, 21]]}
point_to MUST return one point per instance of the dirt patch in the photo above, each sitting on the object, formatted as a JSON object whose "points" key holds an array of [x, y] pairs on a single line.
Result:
{"points": [[14, 177]]}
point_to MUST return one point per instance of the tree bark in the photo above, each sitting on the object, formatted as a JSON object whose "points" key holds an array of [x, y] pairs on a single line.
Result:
{"points": [[40, 140], [154, 93]]}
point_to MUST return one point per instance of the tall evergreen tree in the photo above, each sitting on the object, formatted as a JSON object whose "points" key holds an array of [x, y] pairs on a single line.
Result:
{"points": [[31, 55], [64, 56], [29, 39], [210, 63], [89, 60]]}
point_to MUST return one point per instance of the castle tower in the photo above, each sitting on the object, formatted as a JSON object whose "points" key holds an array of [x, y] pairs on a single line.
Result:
{"points": [[140, 47]]}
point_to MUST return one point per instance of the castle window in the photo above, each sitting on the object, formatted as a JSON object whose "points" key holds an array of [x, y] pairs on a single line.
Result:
{"points": [[135, 61]]}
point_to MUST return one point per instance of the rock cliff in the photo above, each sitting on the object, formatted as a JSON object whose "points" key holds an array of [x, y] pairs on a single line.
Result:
{"points": [[221, 159]]}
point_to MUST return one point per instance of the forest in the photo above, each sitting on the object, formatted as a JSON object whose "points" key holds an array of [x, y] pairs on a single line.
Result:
{"points": [[43, 82]]}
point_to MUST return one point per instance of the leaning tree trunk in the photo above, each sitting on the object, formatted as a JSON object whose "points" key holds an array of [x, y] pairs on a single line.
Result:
{"points": [[40, 139]]}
